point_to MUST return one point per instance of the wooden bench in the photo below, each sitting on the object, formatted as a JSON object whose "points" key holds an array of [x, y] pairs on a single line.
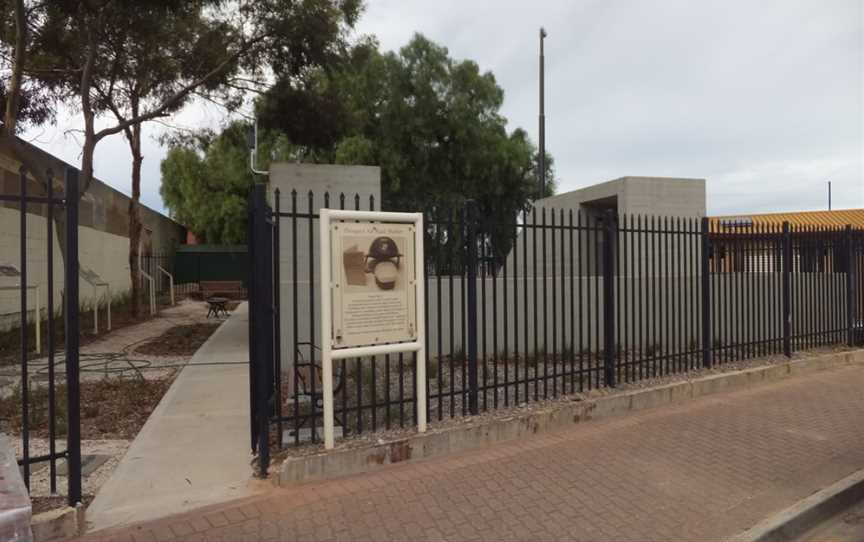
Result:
{"points": [[232, 289]]}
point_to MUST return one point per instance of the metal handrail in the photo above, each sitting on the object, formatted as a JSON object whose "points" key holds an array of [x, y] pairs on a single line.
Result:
{"points": [[170, 282], [145, 275]]}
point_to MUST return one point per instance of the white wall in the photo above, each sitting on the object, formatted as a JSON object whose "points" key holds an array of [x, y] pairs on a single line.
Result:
{"points": [[104, 253]]}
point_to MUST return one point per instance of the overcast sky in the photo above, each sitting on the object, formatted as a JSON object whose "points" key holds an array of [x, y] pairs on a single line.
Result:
{"points": [[762, 99]]}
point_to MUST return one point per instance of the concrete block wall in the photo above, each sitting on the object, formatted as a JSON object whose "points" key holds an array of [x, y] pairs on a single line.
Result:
{"points": [[319, 179], [103, 237], [662, 312], [102, 252], [663, 202]]}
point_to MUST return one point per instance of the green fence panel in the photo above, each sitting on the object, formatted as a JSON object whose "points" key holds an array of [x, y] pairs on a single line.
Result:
{"points": [[196, 263]]}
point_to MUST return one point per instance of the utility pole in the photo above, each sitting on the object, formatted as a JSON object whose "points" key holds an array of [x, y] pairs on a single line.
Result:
{"points": [[542, 160], [829, 195]]}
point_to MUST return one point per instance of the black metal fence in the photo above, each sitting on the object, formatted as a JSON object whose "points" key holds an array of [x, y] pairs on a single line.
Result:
{"points": [[163, 263], [556, 302], [45, 204]]}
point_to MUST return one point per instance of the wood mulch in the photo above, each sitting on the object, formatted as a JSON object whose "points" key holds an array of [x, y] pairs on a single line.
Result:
{"points": [[121, 316], [110, 408], [178, 340]]}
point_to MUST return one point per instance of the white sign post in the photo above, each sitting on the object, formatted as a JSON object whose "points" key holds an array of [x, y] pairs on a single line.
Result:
{"points": [[372, 295]]}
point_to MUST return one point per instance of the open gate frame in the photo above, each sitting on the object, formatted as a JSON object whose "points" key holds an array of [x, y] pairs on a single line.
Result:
{"points": [[72, 454]]}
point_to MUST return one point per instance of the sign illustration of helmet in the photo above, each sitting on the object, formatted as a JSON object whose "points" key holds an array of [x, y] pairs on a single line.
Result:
{"points": [[382, 261]]}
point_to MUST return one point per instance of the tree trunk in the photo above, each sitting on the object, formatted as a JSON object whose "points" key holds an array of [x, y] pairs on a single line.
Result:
{"points": [[135, 218], [13, 95]]}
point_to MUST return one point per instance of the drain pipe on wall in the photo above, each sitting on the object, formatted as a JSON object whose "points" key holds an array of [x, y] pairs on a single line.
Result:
{"points": [[252, 141]]}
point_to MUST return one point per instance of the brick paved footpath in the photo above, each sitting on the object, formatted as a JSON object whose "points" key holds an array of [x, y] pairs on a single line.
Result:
{"points": [[704, 470]]}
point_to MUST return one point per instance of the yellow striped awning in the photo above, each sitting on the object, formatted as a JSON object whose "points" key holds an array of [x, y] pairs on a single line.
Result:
{"points": [[824, 219]]}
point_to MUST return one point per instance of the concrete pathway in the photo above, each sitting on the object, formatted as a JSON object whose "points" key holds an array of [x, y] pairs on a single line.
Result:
{"points": [[704, 470], [194, 448]]}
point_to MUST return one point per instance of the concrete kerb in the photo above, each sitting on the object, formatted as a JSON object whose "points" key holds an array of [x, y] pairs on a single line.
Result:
{"points": [[59, 524], [799, 518], [327, 465]]}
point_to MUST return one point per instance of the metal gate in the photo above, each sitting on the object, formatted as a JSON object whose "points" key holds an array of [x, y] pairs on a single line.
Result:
{"points": [[48, 202]]}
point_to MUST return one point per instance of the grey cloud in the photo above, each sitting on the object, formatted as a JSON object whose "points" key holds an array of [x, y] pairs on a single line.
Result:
{"points": [[764, 99]]}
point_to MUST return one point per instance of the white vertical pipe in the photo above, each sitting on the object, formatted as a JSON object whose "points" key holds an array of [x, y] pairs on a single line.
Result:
{"points": [[326, 360], [419, 305]]}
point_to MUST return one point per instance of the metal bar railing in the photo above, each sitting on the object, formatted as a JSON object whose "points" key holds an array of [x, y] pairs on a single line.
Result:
{"points": [[556, 303], [170, 282]]}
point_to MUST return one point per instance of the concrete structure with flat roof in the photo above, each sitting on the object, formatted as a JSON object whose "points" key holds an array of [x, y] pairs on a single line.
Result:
{"points": [[632, 196], [659, 196], [361, 185]]}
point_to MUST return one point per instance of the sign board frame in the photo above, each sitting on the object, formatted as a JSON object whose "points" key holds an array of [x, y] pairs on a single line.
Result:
{"points": [[326, 274]]}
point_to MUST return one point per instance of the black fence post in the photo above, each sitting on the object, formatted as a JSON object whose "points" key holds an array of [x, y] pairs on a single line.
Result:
{"points": [[263, 326], [850, 287], [52, 401], [25, 379], [471, 264], [277, 324], [73, 398], [706, 294], [610, 234], [250, 292], [787, 291]]}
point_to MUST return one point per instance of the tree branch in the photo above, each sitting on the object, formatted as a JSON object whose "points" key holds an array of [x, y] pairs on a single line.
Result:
{"points": [[171, 101], [13, 95], [106, 98]]}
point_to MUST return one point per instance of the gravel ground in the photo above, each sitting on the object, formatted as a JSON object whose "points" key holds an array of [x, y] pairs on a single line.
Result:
{"points": [[384, 435], [40, 475]]}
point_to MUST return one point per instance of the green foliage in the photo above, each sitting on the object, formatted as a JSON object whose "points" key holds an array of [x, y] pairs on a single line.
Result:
{"points": [[206, 182], [432, 123], [170, 49]]}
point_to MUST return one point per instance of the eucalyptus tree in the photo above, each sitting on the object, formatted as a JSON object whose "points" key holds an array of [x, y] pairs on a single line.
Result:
{"points": [[156, 50], [23, 99], [141, 60]]}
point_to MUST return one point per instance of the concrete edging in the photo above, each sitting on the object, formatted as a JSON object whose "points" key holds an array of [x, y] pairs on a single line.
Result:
{"points": [[796, 520], [59, 524], [326, 465]]}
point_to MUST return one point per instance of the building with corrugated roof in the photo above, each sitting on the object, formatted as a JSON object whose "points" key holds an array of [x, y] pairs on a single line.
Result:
{"points": [[839, 218], [739, 242]]}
